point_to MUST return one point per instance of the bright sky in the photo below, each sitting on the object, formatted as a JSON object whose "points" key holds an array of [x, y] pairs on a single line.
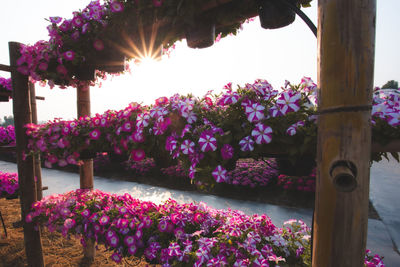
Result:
{"points": [[289, 53]]}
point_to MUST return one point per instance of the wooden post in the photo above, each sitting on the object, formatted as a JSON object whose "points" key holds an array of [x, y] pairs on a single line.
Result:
{"points": [[36, 160], [22, 116], [346, 45], [85, 170]]}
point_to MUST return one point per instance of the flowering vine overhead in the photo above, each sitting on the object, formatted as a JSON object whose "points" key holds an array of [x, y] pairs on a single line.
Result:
{"points": [[104, 33], [207, 134]]}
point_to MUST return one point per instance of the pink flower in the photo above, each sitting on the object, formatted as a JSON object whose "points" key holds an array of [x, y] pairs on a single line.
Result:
{"points": [[161, 101], [127, 126], [187, 147], [137, 136], [220, 174], [69, 223], [95, 134], [246, 144], [62, 70], [55, 20], [262, 134], [207, 142], [116, 6], [77, 21], [138, 154], [293, 128], [288, 101], [254, 112], [69, 55], [157, 3], [170, 143], [116, 257], [227, 151], [98, 45]]}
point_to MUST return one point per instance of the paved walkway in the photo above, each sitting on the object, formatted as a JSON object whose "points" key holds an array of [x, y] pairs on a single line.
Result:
{"points": [[382, 235]]}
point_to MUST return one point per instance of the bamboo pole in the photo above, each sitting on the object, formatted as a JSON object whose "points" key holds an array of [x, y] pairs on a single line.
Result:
{"points": [[22, 116], [86, 169], [346, 44], [36, 160]]}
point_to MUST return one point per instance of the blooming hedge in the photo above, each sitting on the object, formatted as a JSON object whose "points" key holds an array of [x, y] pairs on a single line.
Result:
{"points": [[175, 234], [8, 185], [110, 30], [7, 135], [206, 134]]}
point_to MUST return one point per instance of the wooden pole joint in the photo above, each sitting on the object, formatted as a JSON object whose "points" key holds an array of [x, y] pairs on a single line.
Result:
{"points": [[344, 175]]}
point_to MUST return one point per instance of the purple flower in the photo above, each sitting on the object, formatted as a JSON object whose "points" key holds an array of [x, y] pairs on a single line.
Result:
{"points": [[219, 174], [254, 112], [227, 151], [207, 142], [187, 147], [262, 134], [116, 6], [246, 144], [174, 249], [288, 101]]}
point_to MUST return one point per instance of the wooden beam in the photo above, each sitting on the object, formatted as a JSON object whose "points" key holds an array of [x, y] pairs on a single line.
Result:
{"points": [[22, 116], [5, 68], [37, 167], [346, 45], [86, 169], [7, 149]]}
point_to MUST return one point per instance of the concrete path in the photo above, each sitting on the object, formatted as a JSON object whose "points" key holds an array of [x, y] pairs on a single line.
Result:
{"points": [[381, 234]]}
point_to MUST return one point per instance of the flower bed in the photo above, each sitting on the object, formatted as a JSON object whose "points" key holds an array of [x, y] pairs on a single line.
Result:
{"points": [[172, 233], [7, 135], [206, 134], [9, 186]]}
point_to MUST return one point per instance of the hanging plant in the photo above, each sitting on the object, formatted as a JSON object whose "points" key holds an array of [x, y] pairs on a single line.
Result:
{"points": [[275, 14]]}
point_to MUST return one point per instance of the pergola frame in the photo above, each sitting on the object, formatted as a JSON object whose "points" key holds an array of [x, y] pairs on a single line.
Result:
{"points": [[346, 43]]}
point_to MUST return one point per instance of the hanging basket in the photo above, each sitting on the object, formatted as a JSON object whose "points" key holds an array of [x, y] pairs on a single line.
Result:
{"points": [[87, 154], [299, 167], [200, 35], [85, 72], [110, 60], [274, 14]]}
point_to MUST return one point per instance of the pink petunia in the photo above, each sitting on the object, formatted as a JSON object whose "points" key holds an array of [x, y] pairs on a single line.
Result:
{"points": [[116, 6], [207, 142], [69, 55], [95, 134], [246, 144], [187, 147], [98, 45], [138, 154], [262, 134], [254, 112], [227, 151], [288, 101], [220, 174]]}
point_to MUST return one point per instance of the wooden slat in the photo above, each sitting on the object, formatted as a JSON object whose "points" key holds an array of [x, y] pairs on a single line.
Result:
{"points": [[5, 68], [7, 149], [22, 116], [6, 93]]}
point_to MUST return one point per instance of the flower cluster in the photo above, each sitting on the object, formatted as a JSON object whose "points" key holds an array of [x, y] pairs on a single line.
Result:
{"points": [[207, 134], [141, 167], [7, 135], [5, 84], [173, 234], [8, 184], [298, 183], [83, 40]]}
